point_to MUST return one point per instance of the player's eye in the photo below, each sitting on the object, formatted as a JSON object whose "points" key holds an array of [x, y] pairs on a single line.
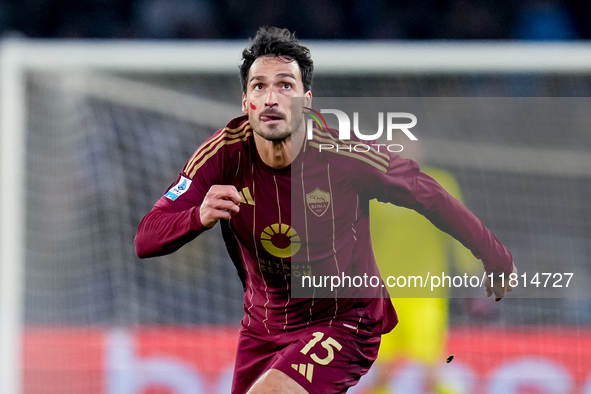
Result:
{"points": [[286, 85], [258, 86]]}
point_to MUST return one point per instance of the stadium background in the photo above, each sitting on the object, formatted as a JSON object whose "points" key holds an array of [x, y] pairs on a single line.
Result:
{"points": [[101, 147]]}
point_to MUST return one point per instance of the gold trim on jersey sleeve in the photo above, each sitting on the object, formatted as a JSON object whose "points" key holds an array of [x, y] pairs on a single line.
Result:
{"points": [[246, 134], [210, 143], [209, 148]]}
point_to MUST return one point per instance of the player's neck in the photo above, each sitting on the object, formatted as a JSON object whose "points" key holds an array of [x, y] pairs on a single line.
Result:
{"points": [[279, 154]]}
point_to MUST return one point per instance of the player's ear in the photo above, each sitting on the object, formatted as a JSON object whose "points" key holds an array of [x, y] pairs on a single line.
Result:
{"points": [[244, 106], [308, 99]]}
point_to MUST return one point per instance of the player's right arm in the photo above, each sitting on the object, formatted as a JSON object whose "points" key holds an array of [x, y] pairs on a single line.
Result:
{"points": [[168, 226], [193, 204]]}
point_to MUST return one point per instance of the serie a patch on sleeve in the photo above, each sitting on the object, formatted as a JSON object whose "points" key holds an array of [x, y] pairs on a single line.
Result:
{"points": [[178, 189]]}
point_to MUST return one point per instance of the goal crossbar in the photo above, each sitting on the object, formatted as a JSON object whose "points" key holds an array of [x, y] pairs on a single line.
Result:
{"points": [[18, 56]]}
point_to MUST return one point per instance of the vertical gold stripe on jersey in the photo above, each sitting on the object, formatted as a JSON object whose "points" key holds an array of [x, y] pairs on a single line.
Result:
{"points": [[281, 259], [334, 249], [221, 144], [248, 275], [256, 251], [307, 237], [354, 155], [288, 299], [208, 144]]}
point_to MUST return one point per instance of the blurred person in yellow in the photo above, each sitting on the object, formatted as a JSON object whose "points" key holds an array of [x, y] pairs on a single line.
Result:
{"points": [[406, 244]]}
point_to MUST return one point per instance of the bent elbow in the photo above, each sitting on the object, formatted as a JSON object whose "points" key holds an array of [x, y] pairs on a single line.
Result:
{"points": [[141, 247], [145, 242]]}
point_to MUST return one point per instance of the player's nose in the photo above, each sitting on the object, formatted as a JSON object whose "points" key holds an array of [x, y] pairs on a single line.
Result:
{"points": [[271, 99]]}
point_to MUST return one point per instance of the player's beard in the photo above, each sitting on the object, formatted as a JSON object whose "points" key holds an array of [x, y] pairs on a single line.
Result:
{"points": [[275, 132]]}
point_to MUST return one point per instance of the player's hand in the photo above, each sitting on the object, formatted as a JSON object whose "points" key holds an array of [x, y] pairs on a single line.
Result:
{"points": [[497, 287], [220, 202]]}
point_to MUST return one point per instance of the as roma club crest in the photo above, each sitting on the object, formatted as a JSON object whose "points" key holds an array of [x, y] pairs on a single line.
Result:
{"points": [[318, 201]]}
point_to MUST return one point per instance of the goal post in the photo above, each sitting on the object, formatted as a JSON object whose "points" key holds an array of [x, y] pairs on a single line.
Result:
{"points": [[12, 151], [120, 72]]}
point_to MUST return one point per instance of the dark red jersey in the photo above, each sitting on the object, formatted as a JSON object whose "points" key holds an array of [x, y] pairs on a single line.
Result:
{"points": [[310, 218]]}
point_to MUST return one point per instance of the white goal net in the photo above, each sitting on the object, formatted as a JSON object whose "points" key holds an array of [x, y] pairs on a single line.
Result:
{"points": [[93, 134]]}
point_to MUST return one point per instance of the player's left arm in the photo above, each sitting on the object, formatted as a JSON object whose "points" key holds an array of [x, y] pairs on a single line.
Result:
{"points": [[405, 185]]}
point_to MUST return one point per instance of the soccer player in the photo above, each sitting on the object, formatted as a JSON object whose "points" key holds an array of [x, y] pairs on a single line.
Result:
{"points": [[287, 208]]}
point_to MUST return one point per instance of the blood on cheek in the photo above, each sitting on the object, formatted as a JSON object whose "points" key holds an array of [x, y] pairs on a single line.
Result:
{"points": [[252, 106]]}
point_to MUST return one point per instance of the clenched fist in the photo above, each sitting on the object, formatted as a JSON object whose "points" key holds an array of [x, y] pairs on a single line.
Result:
{"points": [[220, 202], [498, 288]]}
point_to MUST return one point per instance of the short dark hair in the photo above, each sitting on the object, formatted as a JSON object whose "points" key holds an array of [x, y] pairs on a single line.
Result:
{"points": [[277, 42]]}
